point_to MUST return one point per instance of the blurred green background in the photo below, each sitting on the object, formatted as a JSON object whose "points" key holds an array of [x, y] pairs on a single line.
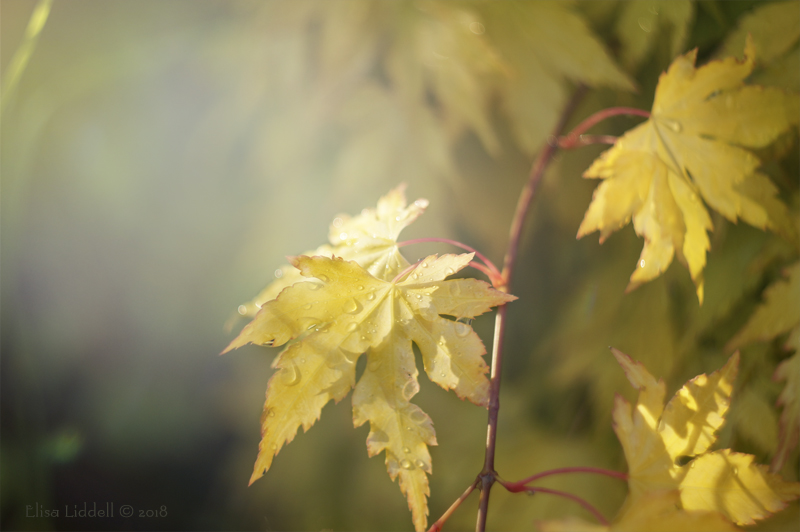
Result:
{"points": [[159, 161]]}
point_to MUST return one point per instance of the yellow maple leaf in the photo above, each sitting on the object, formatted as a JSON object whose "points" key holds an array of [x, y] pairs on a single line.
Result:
{"points": [[656, 440], [779, 314], [344, 312], [655, 512], [691, 151], [370, 239]]}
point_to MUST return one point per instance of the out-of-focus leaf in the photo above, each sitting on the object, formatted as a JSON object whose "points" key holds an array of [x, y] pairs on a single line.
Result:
{"points": [[545, 44], [640, 25], [778, 314], [773, 28], [789, 399]]}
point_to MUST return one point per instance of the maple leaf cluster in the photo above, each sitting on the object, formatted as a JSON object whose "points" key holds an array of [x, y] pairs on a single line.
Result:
{"points": [[675, 482], [331, 310]]}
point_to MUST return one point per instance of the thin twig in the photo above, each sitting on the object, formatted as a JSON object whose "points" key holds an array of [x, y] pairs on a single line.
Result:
{"points": [[437, 526], [583, 502], [562, 470], [488, 474], [568, 142]]}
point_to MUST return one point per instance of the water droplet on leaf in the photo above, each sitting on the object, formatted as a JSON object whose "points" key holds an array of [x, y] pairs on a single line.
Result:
{"points": [[405, 464], [462, 329], [290, 375], [352, 307]]}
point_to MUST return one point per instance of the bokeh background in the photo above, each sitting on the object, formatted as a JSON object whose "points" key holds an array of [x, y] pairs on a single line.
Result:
{"points": [[160, 159]]}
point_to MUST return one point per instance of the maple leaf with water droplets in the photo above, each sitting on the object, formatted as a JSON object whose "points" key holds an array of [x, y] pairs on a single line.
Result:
{"points": [[370, 239], [691, 148], [345, 311]]}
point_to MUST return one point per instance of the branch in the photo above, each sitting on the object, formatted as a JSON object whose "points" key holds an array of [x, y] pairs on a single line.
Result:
{"points": [[562, 470], [437, 526], [583, 502], [488, 474]]}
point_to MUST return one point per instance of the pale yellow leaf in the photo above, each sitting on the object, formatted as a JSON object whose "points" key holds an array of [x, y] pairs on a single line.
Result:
{"points": [[732, 484], [369, 239], [344, 311], [692, 147], [694, 415], [398, 427]]}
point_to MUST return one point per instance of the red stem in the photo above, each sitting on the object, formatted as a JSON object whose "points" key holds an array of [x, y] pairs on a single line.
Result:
{"points": [[599, 116], [570, 142], [437, 526], [478, 254], [597, 470], [488, 474], [583, 502]]}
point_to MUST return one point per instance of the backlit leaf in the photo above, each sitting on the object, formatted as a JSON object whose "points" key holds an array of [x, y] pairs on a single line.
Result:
{"points": [[719, 481], [343, 312], [369, 238], [691, 148]]}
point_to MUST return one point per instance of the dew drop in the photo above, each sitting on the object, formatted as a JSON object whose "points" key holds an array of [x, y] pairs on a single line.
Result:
{"points": [[422, 203], [441, 342], [442, 375], [302, 360], [342, 236], [410, 389], [419, 463], [271, 413], [307, 323], [242, 310], [337, 222], [371, 296], [313, 286], [423, 265], [360, 288], [405, 464], [415, 275], [641, 263], [419, 296], [278, 273], [307, 306], [406, 450], [735, 471], [352, 326], [290, 374], [449, 271], [323, 278], [274, 446], [417, 417], [396, 292], [352, 307], [462, 329]]}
